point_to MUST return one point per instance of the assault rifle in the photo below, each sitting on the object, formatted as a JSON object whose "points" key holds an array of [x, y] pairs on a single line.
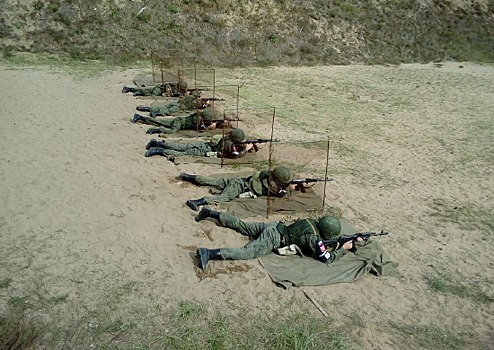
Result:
{"points": [[337, 242], [198, 89], [222, 123], [225, 120], [207, 99], [256, 141], [306, 180]]}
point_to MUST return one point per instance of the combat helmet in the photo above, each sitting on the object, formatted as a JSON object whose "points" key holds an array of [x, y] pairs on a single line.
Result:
{"points": [[208, 114], [237, 135], [281, 175], [329, 226]]}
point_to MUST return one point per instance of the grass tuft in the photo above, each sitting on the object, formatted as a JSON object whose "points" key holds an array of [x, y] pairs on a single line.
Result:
{"points": [[5, 282], [428, 337], [442, 285], [18, 331]]}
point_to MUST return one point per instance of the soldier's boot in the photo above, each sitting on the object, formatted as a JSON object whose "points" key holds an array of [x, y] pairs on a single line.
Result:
{"points": [[204, 255], [126, 89], [139, 93], [153, 131], [207, 212], [195, 203], [136, 118], [187, 177], [142, 108], [155, 143], [155, 151]]}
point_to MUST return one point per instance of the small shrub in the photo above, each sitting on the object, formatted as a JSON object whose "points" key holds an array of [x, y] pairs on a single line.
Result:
{"points": [[7, 54], [174, 9], [18, 331], [144, 16], [53, 7], [38, 5]]}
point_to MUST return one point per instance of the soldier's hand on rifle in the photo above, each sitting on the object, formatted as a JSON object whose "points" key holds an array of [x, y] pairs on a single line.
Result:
{"points": [[292, 187], [299, 186], [227, 123], [349, 245], [249, 147], [213, 126]]}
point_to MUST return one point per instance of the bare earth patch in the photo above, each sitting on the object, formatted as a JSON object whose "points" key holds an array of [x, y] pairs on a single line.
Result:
{"points": [[96, 238]]}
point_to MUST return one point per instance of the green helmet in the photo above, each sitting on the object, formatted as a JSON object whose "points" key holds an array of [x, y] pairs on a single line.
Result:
{"points": [[208, 114], [329, 226], [237, 135], [281, 175]]}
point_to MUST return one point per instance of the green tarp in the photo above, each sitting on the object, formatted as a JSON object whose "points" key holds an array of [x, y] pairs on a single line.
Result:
{"points": [[293, 270]]}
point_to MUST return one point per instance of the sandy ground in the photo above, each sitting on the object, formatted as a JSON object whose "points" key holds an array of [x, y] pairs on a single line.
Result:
{"points": [[85, 215]]}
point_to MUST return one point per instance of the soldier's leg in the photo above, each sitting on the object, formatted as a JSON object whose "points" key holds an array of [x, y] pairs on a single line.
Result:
{"points": [[155, 121], [194, 149], [189, 152], [155, 143], [180, 147], [126, 89], [156, 91], [268, 240], [169, 109], [143, 91], [231, 191], [171, 149], [158, 110], [219, 183], [173, 108], [174, 126], [170, 152], [251, 229], [142, 108]]}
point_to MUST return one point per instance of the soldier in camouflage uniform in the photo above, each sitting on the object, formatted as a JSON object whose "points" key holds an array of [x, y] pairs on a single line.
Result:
{"points": [[184, 103], [201, 120], [171, 108], [226, 145], [307, 234], [167, 89], [256, 185]]}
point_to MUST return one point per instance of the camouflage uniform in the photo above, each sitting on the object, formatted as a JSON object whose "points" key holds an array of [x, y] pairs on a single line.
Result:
{"points": [[195, 121], [190, 102], [268, 236], [258, 184], [168, 109], [231, 188], [184, 103], [179, 123], [200, 149], [225, 146], [156, 90], [167, 89]]}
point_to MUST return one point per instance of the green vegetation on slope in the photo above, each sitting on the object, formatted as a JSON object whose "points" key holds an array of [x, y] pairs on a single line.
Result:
{"points": [[240, 33]]}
